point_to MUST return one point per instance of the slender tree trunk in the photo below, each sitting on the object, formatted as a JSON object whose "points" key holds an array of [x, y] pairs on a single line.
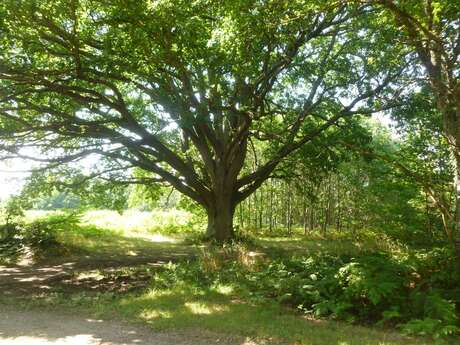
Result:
{"points": [[312, 218], [261, 208], [241, 215], [456, 229], [249, 214], [429, 225], [289, 209], [338, 220], [451, 118], [305, 213]]}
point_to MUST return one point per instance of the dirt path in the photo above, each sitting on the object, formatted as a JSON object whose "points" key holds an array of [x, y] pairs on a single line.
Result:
{"points": [[62, 274], [58, 328]]}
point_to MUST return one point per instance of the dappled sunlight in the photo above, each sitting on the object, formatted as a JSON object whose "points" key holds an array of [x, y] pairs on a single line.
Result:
{"points": [[200, 308], [224, 289], [96, 242], [26, 258], [110, 263], [158, 238], [96, 275], [58, 328], [120, 270], [185, 307], [276, 171], [102, 233], [155, 314], [7, 270]]}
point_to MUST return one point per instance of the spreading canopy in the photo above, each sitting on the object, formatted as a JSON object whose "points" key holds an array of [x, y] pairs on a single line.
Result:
{"points": [[181, 89]]}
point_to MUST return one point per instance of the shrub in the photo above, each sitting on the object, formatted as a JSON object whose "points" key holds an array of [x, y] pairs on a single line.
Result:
{"points": [[371, 288], [38, 236], [11, 214]]}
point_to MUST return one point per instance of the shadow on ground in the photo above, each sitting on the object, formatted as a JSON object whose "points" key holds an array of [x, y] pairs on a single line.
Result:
{"points": [[70, 264]]}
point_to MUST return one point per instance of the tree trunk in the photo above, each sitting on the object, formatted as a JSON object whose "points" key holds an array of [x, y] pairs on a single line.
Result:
{"points": [[270, 215], [451, 118], [261, 209], [220, 219], [312, 218], [453, 235]]}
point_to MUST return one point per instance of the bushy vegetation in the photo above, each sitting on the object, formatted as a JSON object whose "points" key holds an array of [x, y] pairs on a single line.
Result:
{"points": [[38, 237], [409, 292], [365, 278]]}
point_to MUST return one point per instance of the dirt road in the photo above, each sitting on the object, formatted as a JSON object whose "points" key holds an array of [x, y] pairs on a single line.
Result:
{"points": [[58, 328]]}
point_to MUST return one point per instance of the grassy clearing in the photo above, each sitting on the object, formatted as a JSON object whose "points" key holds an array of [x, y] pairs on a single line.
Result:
{"points": [[131, 222], [97, 235], [188, 295]]}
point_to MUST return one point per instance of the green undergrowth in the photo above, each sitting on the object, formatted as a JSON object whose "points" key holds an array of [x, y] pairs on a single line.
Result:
{"points": [[373, 298], [324, 288], [332, 241], [222, 309], [416, 293], [410, 292]]}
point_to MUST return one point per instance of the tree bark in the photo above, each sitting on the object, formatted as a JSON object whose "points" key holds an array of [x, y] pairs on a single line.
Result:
{"points": [[451, 122], [220, 219], [456, 229]]}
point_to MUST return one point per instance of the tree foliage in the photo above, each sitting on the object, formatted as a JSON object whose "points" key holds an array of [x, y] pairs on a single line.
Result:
{"points": [[180, 89]]}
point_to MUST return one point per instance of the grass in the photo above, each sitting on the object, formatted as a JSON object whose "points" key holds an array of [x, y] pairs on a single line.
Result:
{"points": [[218, 307], [333, 242], [131, 222], [219, 310], [102, 234]]}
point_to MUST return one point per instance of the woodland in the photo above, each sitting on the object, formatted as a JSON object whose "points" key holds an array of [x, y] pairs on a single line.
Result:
{"points": [[299, 157]]}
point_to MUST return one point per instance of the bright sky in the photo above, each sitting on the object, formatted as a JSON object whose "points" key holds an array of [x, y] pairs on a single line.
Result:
{"points": [[384, 120], [11, 179]]}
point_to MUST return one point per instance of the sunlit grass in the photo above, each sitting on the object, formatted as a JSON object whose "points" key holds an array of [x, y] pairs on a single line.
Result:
{"points": [[129, 222], [103, 233], [222, 310], [133, 221], [183, 307]]}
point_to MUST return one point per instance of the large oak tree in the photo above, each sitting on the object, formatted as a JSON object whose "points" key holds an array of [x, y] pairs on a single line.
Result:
{"points": [[181, 89]]}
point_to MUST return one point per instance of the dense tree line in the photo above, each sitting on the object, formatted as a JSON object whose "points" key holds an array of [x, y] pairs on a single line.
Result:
{"points": [[362, 192]]}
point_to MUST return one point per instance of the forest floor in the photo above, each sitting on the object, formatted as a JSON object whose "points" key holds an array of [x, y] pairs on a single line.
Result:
{"points": [[97, 279], [73, 274], [119, 272]]}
